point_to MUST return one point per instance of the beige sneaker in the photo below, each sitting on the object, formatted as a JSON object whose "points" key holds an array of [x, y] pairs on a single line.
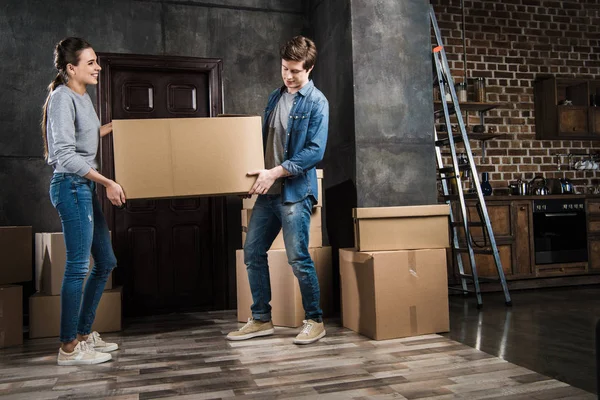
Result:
{"points": [[253, 328], [95, 341], [82, 354], [311, 332]]}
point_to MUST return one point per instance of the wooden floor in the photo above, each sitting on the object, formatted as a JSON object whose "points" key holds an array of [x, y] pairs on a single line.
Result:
{"points": [[186, 356], [550, 331]]}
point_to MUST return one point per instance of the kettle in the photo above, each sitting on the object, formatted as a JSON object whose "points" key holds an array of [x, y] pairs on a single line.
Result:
{"points": [[566, 186], [520, 188], [538, 186]]}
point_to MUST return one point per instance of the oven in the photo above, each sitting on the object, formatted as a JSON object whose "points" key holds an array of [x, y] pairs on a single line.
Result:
{"points": [[559, 230]]}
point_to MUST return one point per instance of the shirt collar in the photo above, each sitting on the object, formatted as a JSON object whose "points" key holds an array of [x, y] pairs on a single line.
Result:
{"points": [[303, 92]]}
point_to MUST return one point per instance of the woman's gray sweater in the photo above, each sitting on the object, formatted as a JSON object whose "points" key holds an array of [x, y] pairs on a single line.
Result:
{"points": [[73, 132]]}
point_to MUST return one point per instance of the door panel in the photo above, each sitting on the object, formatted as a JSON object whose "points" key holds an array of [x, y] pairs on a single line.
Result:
{"points": [[169, 250]]}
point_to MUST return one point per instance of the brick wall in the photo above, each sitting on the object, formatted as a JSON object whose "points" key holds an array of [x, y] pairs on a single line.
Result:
{"points": [[510, 43]]}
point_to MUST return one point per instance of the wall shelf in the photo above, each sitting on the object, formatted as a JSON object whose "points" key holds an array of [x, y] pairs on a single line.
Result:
{"points": [[480, 108], [466, 106]]}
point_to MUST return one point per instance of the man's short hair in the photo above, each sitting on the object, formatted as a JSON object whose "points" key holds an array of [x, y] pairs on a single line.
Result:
{"points": [[300, 48]]}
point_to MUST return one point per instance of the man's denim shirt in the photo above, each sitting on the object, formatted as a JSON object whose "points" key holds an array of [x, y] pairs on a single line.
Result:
{"points": [[305, 141]]}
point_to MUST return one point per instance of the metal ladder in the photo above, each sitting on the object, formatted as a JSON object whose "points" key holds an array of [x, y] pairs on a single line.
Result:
{"points": [[466, 244]]}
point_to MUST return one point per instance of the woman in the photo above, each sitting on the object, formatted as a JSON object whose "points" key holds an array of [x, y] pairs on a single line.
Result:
{"points": [[71, 132]]}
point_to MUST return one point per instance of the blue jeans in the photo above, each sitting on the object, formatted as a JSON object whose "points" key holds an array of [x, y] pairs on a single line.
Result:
{"points": [[85, 230], [269, 216]]}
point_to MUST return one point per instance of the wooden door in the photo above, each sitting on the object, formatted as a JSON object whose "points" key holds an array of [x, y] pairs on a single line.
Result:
{"points": [[171, 253]]}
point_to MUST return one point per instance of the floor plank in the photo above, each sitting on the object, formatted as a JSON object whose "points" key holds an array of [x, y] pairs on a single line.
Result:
{"points": [[186, 356]]}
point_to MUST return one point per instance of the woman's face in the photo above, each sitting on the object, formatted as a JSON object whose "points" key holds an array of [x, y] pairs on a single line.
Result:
{"points": [[86, 71]]}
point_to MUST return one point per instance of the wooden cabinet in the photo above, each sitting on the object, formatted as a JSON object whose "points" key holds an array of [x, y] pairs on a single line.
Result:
{"points": [[567, 108], [523, 238], [512, 222], [593, 227]]}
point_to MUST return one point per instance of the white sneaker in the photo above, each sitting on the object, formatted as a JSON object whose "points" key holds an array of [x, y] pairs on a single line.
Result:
{"points": [[253, 328], [311, 332], [82, 354], [95, 341]]}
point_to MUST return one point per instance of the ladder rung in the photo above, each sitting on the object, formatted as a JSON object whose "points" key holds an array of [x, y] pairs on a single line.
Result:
{"points": [[480, 278], [460, 224], [446, 176], [446, 141], [439, 113], [475, 250], [468, 196], [461, 167], [461, 289]]}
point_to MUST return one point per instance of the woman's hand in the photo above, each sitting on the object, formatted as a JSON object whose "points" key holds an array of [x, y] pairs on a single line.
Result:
{"points": [[106, 129], [115, 193]]}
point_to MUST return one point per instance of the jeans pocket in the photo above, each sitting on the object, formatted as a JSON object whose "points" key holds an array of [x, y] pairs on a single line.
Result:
{"points": [[54, 192]]}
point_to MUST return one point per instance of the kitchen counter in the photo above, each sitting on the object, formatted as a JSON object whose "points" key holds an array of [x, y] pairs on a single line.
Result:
{"points": [[538, 197]]}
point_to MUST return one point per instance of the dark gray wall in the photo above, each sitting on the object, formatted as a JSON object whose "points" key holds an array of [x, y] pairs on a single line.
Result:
{"points": [[333, 74], [246, 38], [395, 159]]}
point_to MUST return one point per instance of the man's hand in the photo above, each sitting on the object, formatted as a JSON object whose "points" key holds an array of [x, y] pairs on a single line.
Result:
{"points": [[264, 181], [105, 129]]}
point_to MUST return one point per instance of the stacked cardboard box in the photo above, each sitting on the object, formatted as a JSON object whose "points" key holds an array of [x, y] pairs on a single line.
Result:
{"points": [[15, 267], [44, 306], [316, 227], [286, 301], [394, 282]]}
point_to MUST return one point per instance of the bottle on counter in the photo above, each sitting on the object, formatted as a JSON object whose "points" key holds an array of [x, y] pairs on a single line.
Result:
{"points": [[486, 187]]}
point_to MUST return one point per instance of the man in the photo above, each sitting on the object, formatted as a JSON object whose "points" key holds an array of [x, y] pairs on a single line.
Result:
{"points": [[294, 139]]}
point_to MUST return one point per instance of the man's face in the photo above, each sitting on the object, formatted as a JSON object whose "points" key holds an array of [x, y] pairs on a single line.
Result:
{"points": [[294, 75]]}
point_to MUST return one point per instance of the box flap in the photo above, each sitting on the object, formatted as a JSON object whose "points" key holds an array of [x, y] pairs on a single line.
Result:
{"points": [[353, 256], [406, 211], [150, 138]]}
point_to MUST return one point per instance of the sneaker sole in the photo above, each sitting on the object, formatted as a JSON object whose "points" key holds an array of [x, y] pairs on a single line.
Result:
{"points": [[252, 335], [309, 341], [107, 349], [85, 362]]}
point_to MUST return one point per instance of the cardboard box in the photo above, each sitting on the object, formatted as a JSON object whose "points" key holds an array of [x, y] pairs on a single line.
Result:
{"points": [[249, 203], [50, 262], [401, 228], [394, 294], [315, 237], [44, 314], [174, 157], [11, 315], [17, 254], [286, 301]]}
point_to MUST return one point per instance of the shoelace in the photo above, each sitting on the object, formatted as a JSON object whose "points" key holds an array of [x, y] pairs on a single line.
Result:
{"points": [[86, 348], [306, 328], [95, 337], [248, 324]]}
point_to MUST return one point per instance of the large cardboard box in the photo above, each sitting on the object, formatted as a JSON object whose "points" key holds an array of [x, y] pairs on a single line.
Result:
{"points": [[286, 301], [11, 315], [394, 294], [176, 157], [50, 262], [249, 202], [17, 254], [315, 236], [401, 228], [44, 314]]}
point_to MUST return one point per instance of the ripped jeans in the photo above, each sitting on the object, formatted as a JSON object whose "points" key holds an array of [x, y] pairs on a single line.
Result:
{"points": [[85, 230], [269, 216]]}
